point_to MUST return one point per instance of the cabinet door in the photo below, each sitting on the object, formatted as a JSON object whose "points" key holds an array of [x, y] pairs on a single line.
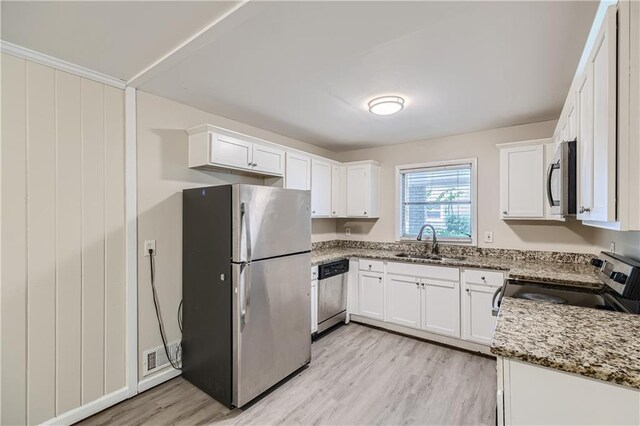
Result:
{"points": [[228, 151], [603, 69], [441, 306], [357, 190], [371, 295], [522, 182], [585, 146], [297, 172], [268, 160], [320, 188], [338, 191], [403, 300], [314, 306], [478, 321]]}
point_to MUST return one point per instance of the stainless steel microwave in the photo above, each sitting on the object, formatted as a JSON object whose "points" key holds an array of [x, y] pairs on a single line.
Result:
{"points": [[561, 180]]}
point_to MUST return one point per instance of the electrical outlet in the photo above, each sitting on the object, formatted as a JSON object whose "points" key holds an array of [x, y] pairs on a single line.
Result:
{"points": [[347, 231], [612, 247], [488, 236], [149, 245]]}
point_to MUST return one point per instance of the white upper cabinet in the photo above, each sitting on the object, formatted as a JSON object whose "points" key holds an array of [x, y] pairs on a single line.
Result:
{"points": [[522, 182], [363, 183], [268, 159], [298, 172], [602, 66], [320, 188], [584, 162], [214, 148], [229, 151], [338, 191]]}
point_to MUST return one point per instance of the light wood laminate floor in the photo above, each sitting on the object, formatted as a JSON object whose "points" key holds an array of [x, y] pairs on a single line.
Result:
{"points": [[358, 375]]}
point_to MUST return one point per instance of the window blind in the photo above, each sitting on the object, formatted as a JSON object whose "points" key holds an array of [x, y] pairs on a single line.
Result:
{"points": [[440, 196]]}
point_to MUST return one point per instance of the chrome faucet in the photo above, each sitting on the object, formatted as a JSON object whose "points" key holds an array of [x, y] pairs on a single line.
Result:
{"points": [[434, 242]]}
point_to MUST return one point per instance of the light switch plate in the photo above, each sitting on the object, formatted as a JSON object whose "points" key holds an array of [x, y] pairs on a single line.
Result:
{"points": [[347, 231], [488, 236], [149, 244]]}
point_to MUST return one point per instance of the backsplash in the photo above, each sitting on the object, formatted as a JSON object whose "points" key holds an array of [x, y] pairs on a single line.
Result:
{"points": [[457, 250]]}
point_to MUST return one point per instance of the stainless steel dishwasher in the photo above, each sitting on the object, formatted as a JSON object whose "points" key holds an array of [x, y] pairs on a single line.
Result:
{"points": [[332, 294]]}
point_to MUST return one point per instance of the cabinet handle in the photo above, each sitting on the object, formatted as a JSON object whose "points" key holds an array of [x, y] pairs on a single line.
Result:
{"points": [[255, 164], [417, 285], [314, 212], [505, 212], [483, 278], [379, 278], [365, 212], [467, 290], [369, 267], [334, 212], [422, 285], [249, 164], [584, 209]]}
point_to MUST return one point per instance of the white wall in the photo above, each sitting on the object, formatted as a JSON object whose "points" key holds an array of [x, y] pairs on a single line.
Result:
{"points": [[163, 173], [530, 235], [63, 285]]}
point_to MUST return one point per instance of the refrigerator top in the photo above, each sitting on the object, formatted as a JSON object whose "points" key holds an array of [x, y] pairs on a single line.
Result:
{"points": [[269, 222]]}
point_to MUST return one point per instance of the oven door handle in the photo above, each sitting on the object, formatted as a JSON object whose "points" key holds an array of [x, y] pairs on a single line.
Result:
{"points": [[495, 307], [552, 167]]}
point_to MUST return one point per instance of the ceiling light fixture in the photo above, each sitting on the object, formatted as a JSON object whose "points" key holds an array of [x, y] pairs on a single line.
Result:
{"points": [[386, 105]]}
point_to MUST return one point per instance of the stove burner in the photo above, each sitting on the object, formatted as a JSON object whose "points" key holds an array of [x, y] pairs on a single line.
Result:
{"points": [[542, 298]]}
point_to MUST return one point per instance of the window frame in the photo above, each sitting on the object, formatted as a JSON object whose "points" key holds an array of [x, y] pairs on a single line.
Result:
{"points": [[474, 199]]}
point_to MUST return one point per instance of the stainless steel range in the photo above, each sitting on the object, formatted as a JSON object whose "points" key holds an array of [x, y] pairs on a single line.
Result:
{"points": [[621, 292]]}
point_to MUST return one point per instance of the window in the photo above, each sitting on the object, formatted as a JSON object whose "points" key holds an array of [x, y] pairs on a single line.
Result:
{"points": [[440, 194]]}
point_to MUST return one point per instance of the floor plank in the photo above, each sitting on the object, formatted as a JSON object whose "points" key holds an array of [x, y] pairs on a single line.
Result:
{"points": [[358, 375]]}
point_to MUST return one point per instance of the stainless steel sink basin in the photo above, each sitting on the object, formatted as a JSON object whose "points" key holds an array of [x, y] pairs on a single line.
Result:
{"points": [[429, 257]]}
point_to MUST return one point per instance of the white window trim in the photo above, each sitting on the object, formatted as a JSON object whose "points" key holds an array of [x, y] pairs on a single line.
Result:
{"points": [[474, 199]]}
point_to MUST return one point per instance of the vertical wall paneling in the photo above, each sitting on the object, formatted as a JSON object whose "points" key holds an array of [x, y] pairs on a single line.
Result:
{"points": [[13, 287], [93, 244], [115, 309], [62, 219], [40, 243], [131, 220], [68, 241]]}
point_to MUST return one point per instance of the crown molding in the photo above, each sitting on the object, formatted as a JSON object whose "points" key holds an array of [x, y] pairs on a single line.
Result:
{"points": [[59, 64]]}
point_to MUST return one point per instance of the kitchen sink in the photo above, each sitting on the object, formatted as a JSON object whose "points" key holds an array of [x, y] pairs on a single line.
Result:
{"points": [[429, 257]]}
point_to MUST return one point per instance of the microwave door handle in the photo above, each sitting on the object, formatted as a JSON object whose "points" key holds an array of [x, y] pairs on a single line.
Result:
{"points": [[552, 166]]}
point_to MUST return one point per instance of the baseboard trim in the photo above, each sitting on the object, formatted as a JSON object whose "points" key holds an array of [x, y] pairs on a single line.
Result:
{"points": [[424, 335], [157, 379], [87, 410], [59, 64]]}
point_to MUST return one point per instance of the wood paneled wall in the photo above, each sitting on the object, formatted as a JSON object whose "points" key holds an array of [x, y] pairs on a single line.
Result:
{"points": [[62, 294]]}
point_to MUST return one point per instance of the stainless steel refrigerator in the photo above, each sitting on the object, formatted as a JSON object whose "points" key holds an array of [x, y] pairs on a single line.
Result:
{"points": [[246, 290]]}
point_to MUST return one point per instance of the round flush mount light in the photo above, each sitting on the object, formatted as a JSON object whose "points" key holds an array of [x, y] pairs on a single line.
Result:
{"points": [[386, 105]]}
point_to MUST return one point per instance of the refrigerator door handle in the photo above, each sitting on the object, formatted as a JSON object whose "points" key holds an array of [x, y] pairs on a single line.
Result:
{"points": [[244, 212], [245, 292]]}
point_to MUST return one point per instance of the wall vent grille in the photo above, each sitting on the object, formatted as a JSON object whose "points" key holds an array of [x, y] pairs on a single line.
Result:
{"points": [[156, 359]]}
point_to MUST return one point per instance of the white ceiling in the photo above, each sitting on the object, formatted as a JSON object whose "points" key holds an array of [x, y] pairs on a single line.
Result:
{"points": [[307, 69], [117, 38]]}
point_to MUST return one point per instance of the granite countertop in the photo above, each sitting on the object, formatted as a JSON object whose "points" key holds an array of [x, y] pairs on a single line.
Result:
{"points": [[599, 344], [568, 274]]}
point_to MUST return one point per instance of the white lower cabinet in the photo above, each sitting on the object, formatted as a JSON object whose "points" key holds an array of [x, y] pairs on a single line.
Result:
{"points": [[404, 301], [533, 395], [436, 299], [424, 297], [478, 323], [371, 294], [441, 306]]}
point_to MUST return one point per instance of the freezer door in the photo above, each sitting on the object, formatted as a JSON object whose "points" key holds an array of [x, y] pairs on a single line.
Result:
{"points": [[271, 323], [269, 222]]}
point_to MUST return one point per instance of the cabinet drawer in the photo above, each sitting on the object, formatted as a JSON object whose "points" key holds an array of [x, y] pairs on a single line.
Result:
{"points": [[371, 265], [426, 271], [483, 277]]}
